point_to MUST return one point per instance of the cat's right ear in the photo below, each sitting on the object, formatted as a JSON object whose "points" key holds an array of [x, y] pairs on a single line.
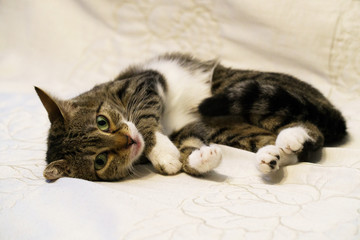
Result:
{"points": [[56, 170], [50, 105]]}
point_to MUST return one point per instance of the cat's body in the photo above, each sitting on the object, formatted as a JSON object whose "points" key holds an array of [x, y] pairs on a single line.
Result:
{"points": [[172, 110]]}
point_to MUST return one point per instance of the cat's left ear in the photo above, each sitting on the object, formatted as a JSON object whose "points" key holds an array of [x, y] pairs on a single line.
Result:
{"points": [[56, 170], [50, 105]]}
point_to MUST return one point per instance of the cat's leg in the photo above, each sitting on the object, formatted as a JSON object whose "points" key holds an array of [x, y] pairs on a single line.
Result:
{"points": [[199, 158], [197, 155], [159, 149], [164, 155], [292, 144], [271, 100], [146, 106]]}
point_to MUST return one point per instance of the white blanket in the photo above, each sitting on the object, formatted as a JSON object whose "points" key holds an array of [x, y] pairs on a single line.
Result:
{"points": [[68, 46]]}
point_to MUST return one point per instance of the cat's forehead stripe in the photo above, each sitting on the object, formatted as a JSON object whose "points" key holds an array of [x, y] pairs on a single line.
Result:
{"points": [[98, 109]]}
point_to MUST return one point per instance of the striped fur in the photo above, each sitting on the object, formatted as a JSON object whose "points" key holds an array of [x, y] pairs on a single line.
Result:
{"points": [[173, 108]]}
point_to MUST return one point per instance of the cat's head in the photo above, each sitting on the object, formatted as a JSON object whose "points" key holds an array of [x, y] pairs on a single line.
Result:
{"points": [[91, 136]]}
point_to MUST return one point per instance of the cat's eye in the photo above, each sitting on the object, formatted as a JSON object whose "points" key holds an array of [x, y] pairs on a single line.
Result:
{"points": [[100, 161], [102, 123]]}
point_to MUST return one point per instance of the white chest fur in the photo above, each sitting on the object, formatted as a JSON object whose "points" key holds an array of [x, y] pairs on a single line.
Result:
{"points": [[186, 90]]}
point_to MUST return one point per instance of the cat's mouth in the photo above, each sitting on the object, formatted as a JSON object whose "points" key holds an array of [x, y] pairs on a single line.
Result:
{"points": [[136, 146], [135, 142]]}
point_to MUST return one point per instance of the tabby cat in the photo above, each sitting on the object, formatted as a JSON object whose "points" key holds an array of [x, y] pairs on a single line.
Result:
{"points": [[174, 108]]}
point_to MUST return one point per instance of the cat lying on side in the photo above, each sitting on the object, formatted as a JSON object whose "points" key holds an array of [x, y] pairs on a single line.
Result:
{"points": [[174, 108]]}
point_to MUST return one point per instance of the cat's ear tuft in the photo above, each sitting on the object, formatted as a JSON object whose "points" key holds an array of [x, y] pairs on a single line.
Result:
{"points": [[56, 170], [50, 105]]}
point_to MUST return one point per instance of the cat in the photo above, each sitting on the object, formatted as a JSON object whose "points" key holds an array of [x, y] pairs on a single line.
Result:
{"points": [[173, 110]]}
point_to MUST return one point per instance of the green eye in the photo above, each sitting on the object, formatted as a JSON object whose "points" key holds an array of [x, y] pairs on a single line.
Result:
{"points": [[102, 123], [100, 161]]}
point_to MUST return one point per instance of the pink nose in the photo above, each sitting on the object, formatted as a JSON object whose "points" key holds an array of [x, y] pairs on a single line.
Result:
{"points": [[130, 141]]}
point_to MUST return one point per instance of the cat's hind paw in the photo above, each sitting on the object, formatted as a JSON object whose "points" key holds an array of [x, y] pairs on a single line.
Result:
{"points": [[292, 140], [268, 158], [205, 159]]}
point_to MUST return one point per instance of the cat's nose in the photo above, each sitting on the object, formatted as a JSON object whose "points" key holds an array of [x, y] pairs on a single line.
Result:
{"points": [[123, 141], [130, 141]]}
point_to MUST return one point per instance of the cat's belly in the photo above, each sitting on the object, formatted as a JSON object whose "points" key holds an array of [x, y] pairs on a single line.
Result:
{"points": [[186, 89]]}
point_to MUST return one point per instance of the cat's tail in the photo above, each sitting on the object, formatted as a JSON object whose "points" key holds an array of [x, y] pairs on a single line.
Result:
{"points": [[333, 126]]}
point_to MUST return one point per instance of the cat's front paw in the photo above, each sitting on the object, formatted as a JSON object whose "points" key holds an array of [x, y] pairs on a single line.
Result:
{"points": [[292, 140], [205, 159], [168, 163], [268, 159], [164, 156]]}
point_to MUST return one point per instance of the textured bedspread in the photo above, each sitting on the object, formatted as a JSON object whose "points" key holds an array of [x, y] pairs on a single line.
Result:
{"points": [[68, 46]]}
